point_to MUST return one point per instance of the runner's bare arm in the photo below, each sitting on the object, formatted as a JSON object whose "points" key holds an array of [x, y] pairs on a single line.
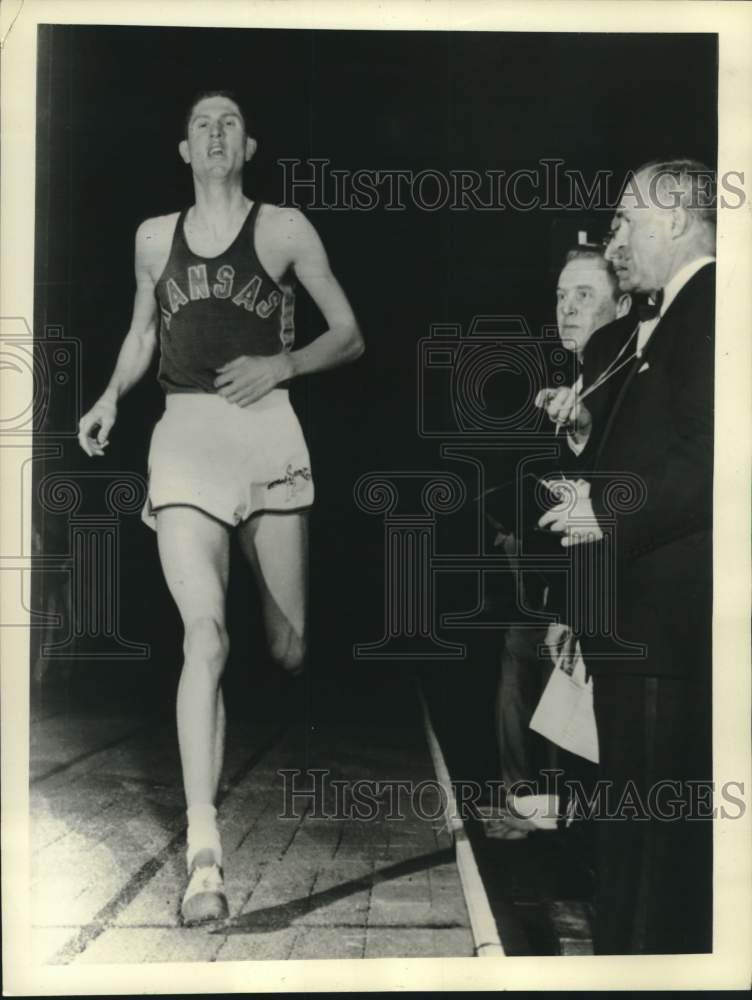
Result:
{"points": [[135, 354], [342, 341]]}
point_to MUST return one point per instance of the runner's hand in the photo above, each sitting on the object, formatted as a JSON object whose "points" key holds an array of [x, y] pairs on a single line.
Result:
{"points": [[249, 377], [94, 427]]}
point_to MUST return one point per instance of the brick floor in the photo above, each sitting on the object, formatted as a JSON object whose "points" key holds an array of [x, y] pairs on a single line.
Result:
{"points": [[108, 851]]}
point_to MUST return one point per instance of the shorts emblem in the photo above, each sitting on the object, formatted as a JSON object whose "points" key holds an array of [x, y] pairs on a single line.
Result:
{"points": [[291, 480]]}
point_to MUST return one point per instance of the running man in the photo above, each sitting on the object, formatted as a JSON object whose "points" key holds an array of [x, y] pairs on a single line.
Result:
{"points": [[217, 281]]}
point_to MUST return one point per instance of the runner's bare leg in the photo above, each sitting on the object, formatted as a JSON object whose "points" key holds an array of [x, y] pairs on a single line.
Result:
{"points": [[194, 550], [276, 546]]}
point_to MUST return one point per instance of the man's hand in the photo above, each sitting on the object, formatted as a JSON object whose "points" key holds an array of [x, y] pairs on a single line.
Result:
{"points": [[560, 643], [94, 427], [563, 407], [249, 377], [573, 517]]}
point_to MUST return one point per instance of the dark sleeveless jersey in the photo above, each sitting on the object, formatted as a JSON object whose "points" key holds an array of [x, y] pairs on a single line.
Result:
{"points": [[214, 309]]}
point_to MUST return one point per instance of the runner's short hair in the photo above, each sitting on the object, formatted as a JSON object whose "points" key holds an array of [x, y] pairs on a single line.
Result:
{"points": [[203, 94]]}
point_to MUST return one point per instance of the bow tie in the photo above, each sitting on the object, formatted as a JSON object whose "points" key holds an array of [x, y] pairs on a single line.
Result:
{"points": [[647, 310]]}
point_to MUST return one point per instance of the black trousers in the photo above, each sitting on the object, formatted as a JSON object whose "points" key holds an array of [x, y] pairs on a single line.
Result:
{"points": [[654, 844], [523, 753]]}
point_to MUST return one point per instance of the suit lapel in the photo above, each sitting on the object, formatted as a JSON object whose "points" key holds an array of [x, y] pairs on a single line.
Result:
{"points": [[660, 332], [617, 403], [648, 351]]}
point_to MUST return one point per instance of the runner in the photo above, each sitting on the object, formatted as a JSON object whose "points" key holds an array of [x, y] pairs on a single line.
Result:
{"points": [[215, 284]]}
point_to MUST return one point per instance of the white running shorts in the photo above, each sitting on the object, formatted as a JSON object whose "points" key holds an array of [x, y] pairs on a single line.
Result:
{"points": [[227, 460]]}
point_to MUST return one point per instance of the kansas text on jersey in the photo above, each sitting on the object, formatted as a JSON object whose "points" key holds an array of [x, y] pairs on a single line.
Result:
{"points": [[214, 309]]}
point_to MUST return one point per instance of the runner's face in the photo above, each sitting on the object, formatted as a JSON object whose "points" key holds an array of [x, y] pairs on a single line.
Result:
{"points": [[584, 302], [216, 144]]}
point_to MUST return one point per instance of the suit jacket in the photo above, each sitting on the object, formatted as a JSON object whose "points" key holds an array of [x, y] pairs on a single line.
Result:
{"points": [[610, 339], [650, 464], [521, 501], [602, 353]]}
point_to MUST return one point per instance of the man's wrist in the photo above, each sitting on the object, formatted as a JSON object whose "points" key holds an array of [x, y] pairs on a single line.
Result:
{"points": [[109, 396], [577, 440], [288, 367]]}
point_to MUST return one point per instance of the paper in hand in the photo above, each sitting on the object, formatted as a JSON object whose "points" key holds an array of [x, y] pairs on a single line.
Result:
{"points": [[564, 715]]}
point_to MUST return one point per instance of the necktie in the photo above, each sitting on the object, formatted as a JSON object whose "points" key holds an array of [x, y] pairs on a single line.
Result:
{"points": [[647, 309]]}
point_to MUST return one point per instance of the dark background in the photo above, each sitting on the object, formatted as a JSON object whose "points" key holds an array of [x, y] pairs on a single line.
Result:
{"points": [[110, 109]]}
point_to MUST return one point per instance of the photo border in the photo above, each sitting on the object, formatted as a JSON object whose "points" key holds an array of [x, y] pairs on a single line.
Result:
{"points": [[730, 965]]}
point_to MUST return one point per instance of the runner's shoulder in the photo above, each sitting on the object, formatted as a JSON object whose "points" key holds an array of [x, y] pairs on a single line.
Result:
{"points": [[154, 235], [285, 224], [281, 215]]}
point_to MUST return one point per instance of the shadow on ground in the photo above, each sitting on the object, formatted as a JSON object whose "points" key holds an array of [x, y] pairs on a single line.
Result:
{"points": [[275, 918]]}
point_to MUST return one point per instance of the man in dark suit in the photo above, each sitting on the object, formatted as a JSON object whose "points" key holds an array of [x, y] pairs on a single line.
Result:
{"points": [[588, 298], [643, 522]]}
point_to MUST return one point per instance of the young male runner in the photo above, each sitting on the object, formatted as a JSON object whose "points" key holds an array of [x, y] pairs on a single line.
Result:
{"points": [[217, 281]]}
